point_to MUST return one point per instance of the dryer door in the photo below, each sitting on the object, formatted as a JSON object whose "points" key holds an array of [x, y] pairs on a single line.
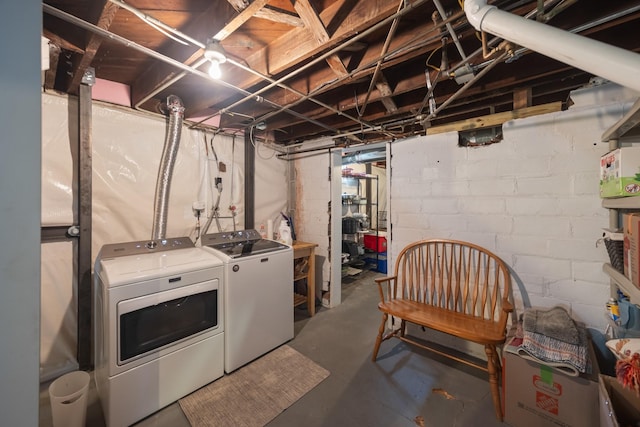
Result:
{"points": [[157, 320]]}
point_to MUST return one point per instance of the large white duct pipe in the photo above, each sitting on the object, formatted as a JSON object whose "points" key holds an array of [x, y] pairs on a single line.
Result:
{"points": [[606, 61], [165, 171]]}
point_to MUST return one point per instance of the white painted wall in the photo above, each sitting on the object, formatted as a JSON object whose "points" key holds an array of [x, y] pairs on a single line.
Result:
{"points": [[532, 199], [127, 148], [271, 195], [311, 215]]}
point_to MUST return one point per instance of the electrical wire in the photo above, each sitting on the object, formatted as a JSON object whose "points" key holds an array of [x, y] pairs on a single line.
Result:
{"points": [[197, 230], [256, 147], [233, 162], [429, 58]]}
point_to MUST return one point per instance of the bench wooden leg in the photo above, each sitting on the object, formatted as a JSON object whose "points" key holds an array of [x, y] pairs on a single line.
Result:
{"points": [[493, 364], [379, 338]]}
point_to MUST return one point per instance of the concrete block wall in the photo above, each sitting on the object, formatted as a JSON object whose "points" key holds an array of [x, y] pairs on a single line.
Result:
{"points": [[532, 199]]}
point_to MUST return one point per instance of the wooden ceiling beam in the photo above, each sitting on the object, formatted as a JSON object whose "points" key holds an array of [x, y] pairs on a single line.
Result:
{"points": [[314, 24], [286, 97], [474, 104], [201, 28], [521, 97], [299, 44], [282, 16], [62, 43], [496, 119], [50, 74], [311, 20], [322, 80], [386, 94], [246, 14], [269, 13], [239, 5], [106, 11]]}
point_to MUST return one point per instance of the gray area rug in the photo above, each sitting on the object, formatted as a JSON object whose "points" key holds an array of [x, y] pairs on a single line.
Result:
{"points": [[256, 393]]}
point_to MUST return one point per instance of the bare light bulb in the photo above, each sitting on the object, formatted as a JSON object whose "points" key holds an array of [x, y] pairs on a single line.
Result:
{"points": [[214, 69], [215, 54]]}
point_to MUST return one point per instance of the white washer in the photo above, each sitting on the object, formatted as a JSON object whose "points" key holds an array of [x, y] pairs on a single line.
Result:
{"points": [[159, 325], [258, 294]]}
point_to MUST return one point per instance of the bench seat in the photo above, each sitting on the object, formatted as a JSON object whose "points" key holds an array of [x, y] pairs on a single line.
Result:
{"points": [[461, 325]]}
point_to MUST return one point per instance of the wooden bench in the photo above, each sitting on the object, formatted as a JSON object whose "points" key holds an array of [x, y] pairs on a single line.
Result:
{"points": [[454, 287]]}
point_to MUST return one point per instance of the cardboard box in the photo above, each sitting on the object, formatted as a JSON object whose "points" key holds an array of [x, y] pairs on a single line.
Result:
{"points": [[539, 396], [619, 406], [620, 173], [631, 247]]}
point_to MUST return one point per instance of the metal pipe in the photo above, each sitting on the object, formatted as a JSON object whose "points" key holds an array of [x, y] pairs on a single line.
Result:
{"points": [[168, 83], [583, 27], [165, 171], [493, 41], [450, 29], [202, 61], [556, 10], [604, 60], [306, 97], [328, 53], [376, 71], [468, 84], [156, 23], [605, 19], [106, 34], [359, 70]]}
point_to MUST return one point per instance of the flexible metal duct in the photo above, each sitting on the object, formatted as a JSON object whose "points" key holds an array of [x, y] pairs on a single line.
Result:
{"points": [[604, 60], [165, 171], [366, 157]]}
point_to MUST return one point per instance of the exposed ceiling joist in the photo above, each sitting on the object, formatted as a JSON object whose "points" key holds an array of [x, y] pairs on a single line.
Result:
{"points": [[311, 69]]}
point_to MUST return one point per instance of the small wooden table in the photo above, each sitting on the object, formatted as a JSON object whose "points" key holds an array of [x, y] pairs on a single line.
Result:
{"points": [[306, 251]]}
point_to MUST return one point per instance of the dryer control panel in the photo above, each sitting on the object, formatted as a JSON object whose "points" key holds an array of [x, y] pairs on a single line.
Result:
{"points": [[144, 247]]}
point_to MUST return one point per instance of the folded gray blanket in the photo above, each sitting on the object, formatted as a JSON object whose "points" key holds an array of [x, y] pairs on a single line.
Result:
{"points": [[551, 336], [553, 323]]}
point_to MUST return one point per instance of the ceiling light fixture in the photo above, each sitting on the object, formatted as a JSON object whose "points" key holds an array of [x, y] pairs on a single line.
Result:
{"points": [[215, 54]]}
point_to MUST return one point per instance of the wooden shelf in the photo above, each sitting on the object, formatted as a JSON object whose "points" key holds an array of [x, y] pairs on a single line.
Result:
{"points": [[628, 125], [304, 260], [623, 283], [632, 202], [299, 299]]}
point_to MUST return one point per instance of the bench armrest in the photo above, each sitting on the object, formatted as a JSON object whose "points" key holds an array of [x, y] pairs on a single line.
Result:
{"points": [[507, 306], [381, 288]]}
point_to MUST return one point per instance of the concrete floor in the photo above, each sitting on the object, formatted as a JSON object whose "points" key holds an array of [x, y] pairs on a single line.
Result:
{"points": [[406, 387]]}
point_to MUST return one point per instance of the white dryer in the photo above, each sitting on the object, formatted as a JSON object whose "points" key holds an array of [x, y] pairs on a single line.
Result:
{"points": [[258, 294], [159, 325]]}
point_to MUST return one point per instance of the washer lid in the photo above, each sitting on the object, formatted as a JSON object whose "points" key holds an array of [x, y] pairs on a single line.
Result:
{"points": [[248, 248], [237, 244]]}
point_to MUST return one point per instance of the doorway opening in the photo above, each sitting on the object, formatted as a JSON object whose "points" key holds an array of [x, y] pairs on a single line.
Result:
{"points": [[359, 215]]}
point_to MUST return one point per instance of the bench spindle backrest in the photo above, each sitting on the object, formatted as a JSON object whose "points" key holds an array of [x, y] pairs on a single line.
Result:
{"points": [[454, 275]]}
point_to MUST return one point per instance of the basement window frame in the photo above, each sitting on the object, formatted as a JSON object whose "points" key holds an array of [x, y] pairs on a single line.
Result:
{"points": [[480, 137]]}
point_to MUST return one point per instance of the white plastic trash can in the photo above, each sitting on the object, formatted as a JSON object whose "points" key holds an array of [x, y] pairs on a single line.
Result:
{"points": [[68, 395]]}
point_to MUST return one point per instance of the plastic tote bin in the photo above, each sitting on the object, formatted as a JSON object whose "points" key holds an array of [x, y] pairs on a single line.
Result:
{"points": [[68, 395]]}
